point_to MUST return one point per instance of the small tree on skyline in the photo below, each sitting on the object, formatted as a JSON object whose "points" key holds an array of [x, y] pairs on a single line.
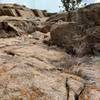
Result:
{"points": [[71, 4]]}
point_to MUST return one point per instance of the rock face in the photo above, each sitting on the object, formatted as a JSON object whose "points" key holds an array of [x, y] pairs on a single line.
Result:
{"points": [[43, 58], [65, 35], [14, 26], [21, 11], [16, 20], [15, 10], [82, 17], [52, 20], [80, 37]]}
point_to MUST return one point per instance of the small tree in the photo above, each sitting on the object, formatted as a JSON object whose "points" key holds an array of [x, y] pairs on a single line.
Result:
{"points": [[71, 4]]}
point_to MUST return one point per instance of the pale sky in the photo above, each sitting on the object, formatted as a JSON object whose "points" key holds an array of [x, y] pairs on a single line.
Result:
{"points": [[50, 5], [97, 1]]}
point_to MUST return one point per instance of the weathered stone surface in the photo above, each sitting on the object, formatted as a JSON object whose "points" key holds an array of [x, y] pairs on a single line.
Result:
{"points": [[7, 31], [57, 17], [20, 20], [21, 11], [28, 70], [71, 36], [71, 95], [66, 35], [90, 93], [82, 16], [77, 36], [52, 20], [15, 10], [31, 70], [14, 26], [75, 85]]}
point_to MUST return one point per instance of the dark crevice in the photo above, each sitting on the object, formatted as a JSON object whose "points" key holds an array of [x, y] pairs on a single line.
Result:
{"points": [[76, 97], [17, 12], [67, 89], [10, 53]]}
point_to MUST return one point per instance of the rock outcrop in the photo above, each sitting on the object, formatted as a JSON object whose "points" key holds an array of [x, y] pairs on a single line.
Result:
{"points": [[45, 58], [15, 10], [82, 16], [52, 20], [16, 20], [22, 11], [80, 34], [65, 35], [14, 26]]}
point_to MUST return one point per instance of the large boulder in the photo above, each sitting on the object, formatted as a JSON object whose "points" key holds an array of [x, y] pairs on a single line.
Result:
{"points": [[67, 35], [62, 34]]}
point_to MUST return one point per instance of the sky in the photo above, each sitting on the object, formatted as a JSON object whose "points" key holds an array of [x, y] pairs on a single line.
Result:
{"points": [[50, 5]]}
